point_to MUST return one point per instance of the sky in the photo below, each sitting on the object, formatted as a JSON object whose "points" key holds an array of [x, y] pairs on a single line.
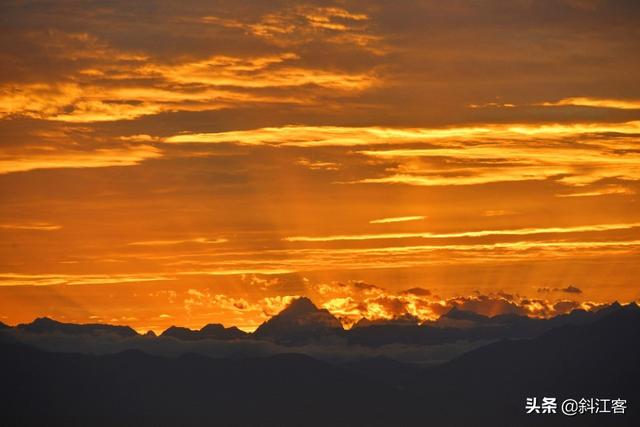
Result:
{"points": [[206, 162]]}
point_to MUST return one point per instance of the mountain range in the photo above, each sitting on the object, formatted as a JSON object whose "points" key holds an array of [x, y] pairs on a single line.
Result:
{"points": [[484, 387], [301, 322]]}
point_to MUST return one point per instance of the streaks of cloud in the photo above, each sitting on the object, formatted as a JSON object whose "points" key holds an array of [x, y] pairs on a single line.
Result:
{"points": [[13, 279], [596, 102], [201, 240], [64, 158], [135, 87], [569, 290], [481, 163], [80, 102], [301, 24], [318, 165], [604, 191], [281, 261], [319, 136], [256, 72], [479, 233], [37, 226], [397, 219]]}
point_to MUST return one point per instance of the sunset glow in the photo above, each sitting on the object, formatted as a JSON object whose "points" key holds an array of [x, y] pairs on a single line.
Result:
{"points": [[211, 163]]}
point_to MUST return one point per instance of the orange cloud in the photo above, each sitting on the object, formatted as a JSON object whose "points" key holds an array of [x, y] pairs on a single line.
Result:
{"points": [[596, 102], [414, 307], [15, 279], [479, 233], [319, 136], [202, 240], [305, 24], [397, 219], [464, 155], [38, 226], [608, 190], [13, 161], [118, 86]]}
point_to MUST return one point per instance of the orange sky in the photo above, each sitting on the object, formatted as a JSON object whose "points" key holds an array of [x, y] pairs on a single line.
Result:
{"points": [[164, 164]]}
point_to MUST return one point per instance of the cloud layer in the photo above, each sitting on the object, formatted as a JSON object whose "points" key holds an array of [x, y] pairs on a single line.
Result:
{"points": [[452, 147]]}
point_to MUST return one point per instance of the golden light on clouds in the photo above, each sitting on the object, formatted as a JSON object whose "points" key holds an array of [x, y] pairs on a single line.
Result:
{"points": [[396, 219], [317, 136], [201, 85], [98, 158], [479, 233], [210, 163], [201, 240], [38, 226], [595, 102]]}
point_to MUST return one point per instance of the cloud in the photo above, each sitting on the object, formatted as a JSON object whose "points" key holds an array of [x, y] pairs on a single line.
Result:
{"points": [[489, 162], [301, 24], [37, 226], [602, 191], [269, 120], [201, 240], [16, 279], [129, 88], [417, 292], [569, 290], [97, 158], [396, 219], [319, 136], [420, 305], [318, 165], [480, 233], [426, 307], [596, 102], [458, 156]]}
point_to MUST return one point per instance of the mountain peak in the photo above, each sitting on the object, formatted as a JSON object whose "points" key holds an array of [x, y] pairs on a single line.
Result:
{"points": [[44, 321], [301, 320], [456, 313], [300, 306]]}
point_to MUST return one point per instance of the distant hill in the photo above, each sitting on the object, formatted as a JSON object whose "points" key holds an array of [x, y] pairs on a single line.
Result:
{"points": [[136, 389], [486, 387], [598, 359], [302, 323], [211, 331], [459, 325], [46, 325]]}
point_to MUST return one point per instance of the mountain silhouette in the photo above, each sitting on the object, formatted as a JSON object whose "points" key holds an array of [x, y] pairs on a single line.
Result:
{"points": [[385, 370], [597, 359], [457, 325], [211, 331], [484, 387], [404, 320], [136, 389], [300, 322], [46, 325]]}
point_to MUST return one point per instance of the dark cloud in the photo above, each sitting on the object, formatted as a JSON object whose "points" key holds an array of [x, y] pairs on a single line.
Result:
{"points": [[569, 290], [416, 291]]}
